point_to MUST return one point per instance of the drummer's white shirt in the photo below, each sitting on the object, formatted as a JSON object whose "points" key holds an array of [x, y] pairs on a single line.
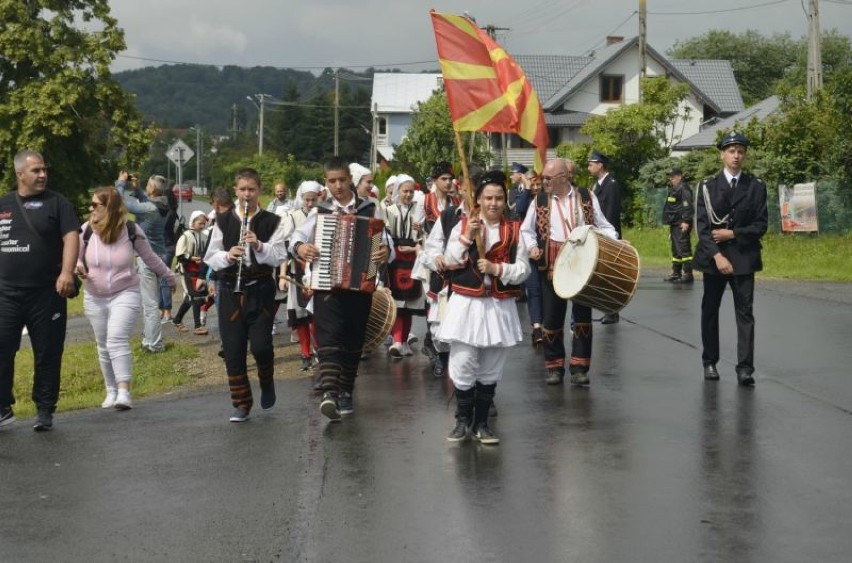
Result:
{"points": [[572, 213]]}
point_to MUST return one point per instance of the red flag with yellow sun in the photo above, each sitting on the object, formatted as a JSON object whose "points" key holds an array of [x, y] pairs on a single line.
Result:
{"points": [[486, 89]]}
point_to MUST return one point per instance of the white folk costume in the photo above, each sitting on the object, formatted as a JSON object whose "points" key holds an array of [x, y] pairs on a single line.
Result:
{"points": [[407, 291], [549, 221], [299, 317], [481, 321]]}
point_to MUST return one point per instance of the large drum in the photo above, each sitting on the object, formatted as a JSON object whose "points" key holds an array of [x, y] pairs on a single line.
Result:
{"points": [[381, 319], [596, 271]]}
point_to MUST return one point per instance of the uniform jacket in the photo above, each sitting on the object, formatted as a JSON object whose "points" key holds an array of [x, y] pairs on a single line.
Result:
{"points": [[745, 209], [609, 198], [679, 205]]}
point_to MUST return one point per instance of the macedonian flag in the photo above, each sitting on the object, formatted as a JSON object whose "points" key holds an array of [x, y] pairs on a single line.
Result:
{"points": [[486, 89]]}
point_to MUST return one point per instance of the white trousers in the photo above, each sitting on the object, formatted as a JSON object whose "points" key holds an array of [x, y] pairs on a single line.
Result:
{"points": [[149, 286], [113, 319], [469, 364]]}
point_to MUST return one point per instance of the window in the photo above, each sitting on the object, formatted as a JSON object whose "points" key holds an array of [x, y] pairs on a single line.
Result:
{"points": [[382, 125], [611, 88]]}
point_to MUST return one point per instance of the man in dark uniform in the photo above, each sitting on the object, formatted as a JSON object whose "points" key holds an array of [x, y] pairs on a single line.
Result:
{"points": [[677, 213], [608, 191], [519, 195], [731, 218]]}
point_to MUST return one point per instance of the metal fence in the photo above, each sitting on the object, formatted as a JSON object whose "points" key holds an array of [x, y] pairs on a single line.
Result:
{"points": [[834, 207]]}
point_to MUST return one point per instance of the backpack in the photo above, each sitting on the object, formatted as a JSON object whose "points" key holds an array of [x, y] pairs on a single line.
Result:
{"points": [[174, 228], [87, 234]]}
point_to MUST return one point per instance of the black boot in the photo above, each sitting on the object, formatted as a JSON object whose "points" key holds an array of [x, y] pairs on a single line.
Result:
{"points": [[676, 272], [464, 415], [440, 367], [428, 345], [484, 399], [687, 274]]}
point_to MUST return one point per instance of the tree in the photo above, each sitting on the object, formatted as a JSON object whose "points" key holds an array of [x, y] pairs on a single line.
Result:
{"points": [[758, 62], [57, 94], [761, 63], [431, 139]]}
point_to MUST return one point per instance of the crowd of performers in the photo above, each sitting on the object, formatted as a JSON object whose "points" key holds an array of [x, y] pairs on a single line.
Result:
{"points": [[464, 272]]}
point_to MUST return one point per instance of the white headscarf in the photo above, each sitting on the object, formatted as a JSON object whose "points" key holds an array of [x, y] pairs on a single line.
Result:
{"points": [[400, 180], [357, 171], [305, 187]]}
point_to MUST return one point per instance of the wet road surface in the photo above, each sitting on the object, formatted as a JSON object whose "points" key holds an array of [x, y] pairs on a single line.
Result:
{"points": [[649, 464]]}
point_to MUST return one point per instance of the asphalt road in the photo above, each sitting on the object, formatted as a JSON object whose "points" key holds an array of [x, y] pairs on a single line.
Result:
{"points": [[649, 464]]}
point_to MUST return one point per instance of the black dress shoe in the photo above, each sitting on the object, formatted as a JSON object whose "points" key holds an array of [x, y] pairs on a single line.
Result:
{"points": [[744, 378], [610, 318], [685, 279], [710, 373], [537, 336], [672, 278]]}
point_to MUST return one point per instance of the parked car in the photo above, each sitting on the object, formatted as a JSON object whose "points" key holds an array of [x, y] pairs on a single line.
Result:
{"points": [[182, 192]]}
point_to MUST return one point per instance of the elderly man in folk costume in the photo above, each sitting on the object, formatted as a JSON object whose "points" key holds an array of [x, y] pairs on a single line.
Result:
{"points": [[549, 221], [482, 321]]}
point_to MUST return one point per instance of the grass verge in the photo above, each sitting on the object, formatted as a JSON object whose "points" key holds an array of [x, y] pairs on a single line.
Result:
{"points": [[826, 257], [82, 382]]}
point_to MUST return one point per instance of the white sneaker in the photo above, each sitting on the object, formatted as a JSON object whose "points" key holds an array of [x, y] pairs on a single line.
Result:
{"points": [[122, 400], [395, 350], [406, 350], [109, 402]]}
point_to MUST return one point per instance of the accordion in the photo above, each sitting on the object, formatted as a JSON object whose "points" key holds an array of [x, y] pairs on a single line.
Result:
{"points": [[345, 244]]}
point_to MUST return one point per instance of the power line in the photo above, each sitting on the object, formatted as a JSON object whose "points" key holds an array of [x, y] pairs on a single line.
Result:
{"points": [[719, 11]]}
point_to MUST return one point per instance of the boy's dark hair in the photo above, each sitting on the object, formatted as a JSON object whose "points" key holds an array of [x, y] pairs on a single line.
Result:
{"points": [[248, 174], [222, 196], [336, 163]]}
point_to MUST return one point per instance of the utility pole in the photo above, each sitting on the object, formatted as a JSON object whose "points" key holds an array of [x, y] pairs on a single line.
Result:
{"points": [[643, 51], [198, 156], [235, 128], [814, 49], [336, 111], [260, 133]]}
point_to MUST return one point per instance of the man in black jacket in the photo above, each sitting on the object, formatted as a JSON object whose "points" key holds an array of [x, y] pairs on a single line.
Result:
{"points": [[608, 191], [677, 213], [731, 218]]}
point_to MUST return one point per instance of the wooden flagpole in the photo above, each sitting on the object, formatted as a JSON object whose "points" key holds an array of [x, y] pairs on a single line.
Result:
{"points": [[467, 186]]}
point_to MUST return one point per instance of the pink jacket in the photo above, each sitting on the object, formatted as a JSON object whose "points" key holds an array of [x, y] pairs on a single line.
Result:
{"points": [[110, 266]]}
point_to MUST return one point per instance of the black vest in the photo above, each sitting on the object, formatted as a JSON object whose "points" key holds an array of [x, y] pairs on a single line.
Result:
{"points": [[263, 224]]}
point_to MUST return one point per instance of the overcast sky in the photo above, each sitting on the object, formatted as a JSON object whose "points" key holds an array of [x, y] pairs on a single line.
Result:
{"points": [[360, 33]]}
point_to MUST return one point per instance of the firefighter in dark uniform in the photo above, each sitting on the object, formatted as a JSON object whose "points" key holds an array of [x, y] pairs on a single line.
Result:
{"points": [[731, 218], [677, 213]]}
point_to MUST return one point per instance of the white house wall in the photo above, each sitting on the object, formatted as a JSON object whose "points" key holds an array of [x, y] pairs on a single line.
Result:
{"points": [[587, 98]]}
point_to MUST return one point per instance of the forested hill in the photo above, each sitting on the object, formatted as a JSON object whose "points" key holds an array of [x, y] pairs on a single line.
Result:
{"points": [[179, 96]]}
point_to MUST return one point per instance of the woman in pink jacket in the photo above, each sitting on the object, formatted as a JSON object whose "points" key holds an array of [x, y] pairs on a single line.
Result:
{"points": [[112, 300]]}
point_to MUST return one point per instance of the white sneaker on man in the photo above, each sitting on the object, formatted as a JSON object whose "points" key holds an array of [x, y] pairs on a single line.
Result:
{"points": [[406, 350]]}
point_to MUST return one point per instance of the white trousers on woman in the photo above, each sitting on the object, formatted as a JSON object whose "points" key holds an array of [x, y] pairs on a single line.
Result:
{"points": [[469, 364], [113, 319]]}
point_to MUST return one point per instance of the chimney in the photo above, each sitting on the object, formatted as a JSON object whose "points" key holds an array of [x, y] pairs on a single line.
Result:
{"points": [[613, 39]]}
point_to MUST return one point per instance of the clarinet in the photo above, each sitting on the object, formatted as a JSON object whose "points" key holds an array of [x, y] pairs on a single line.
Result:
{"points": [[238, 288]]}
